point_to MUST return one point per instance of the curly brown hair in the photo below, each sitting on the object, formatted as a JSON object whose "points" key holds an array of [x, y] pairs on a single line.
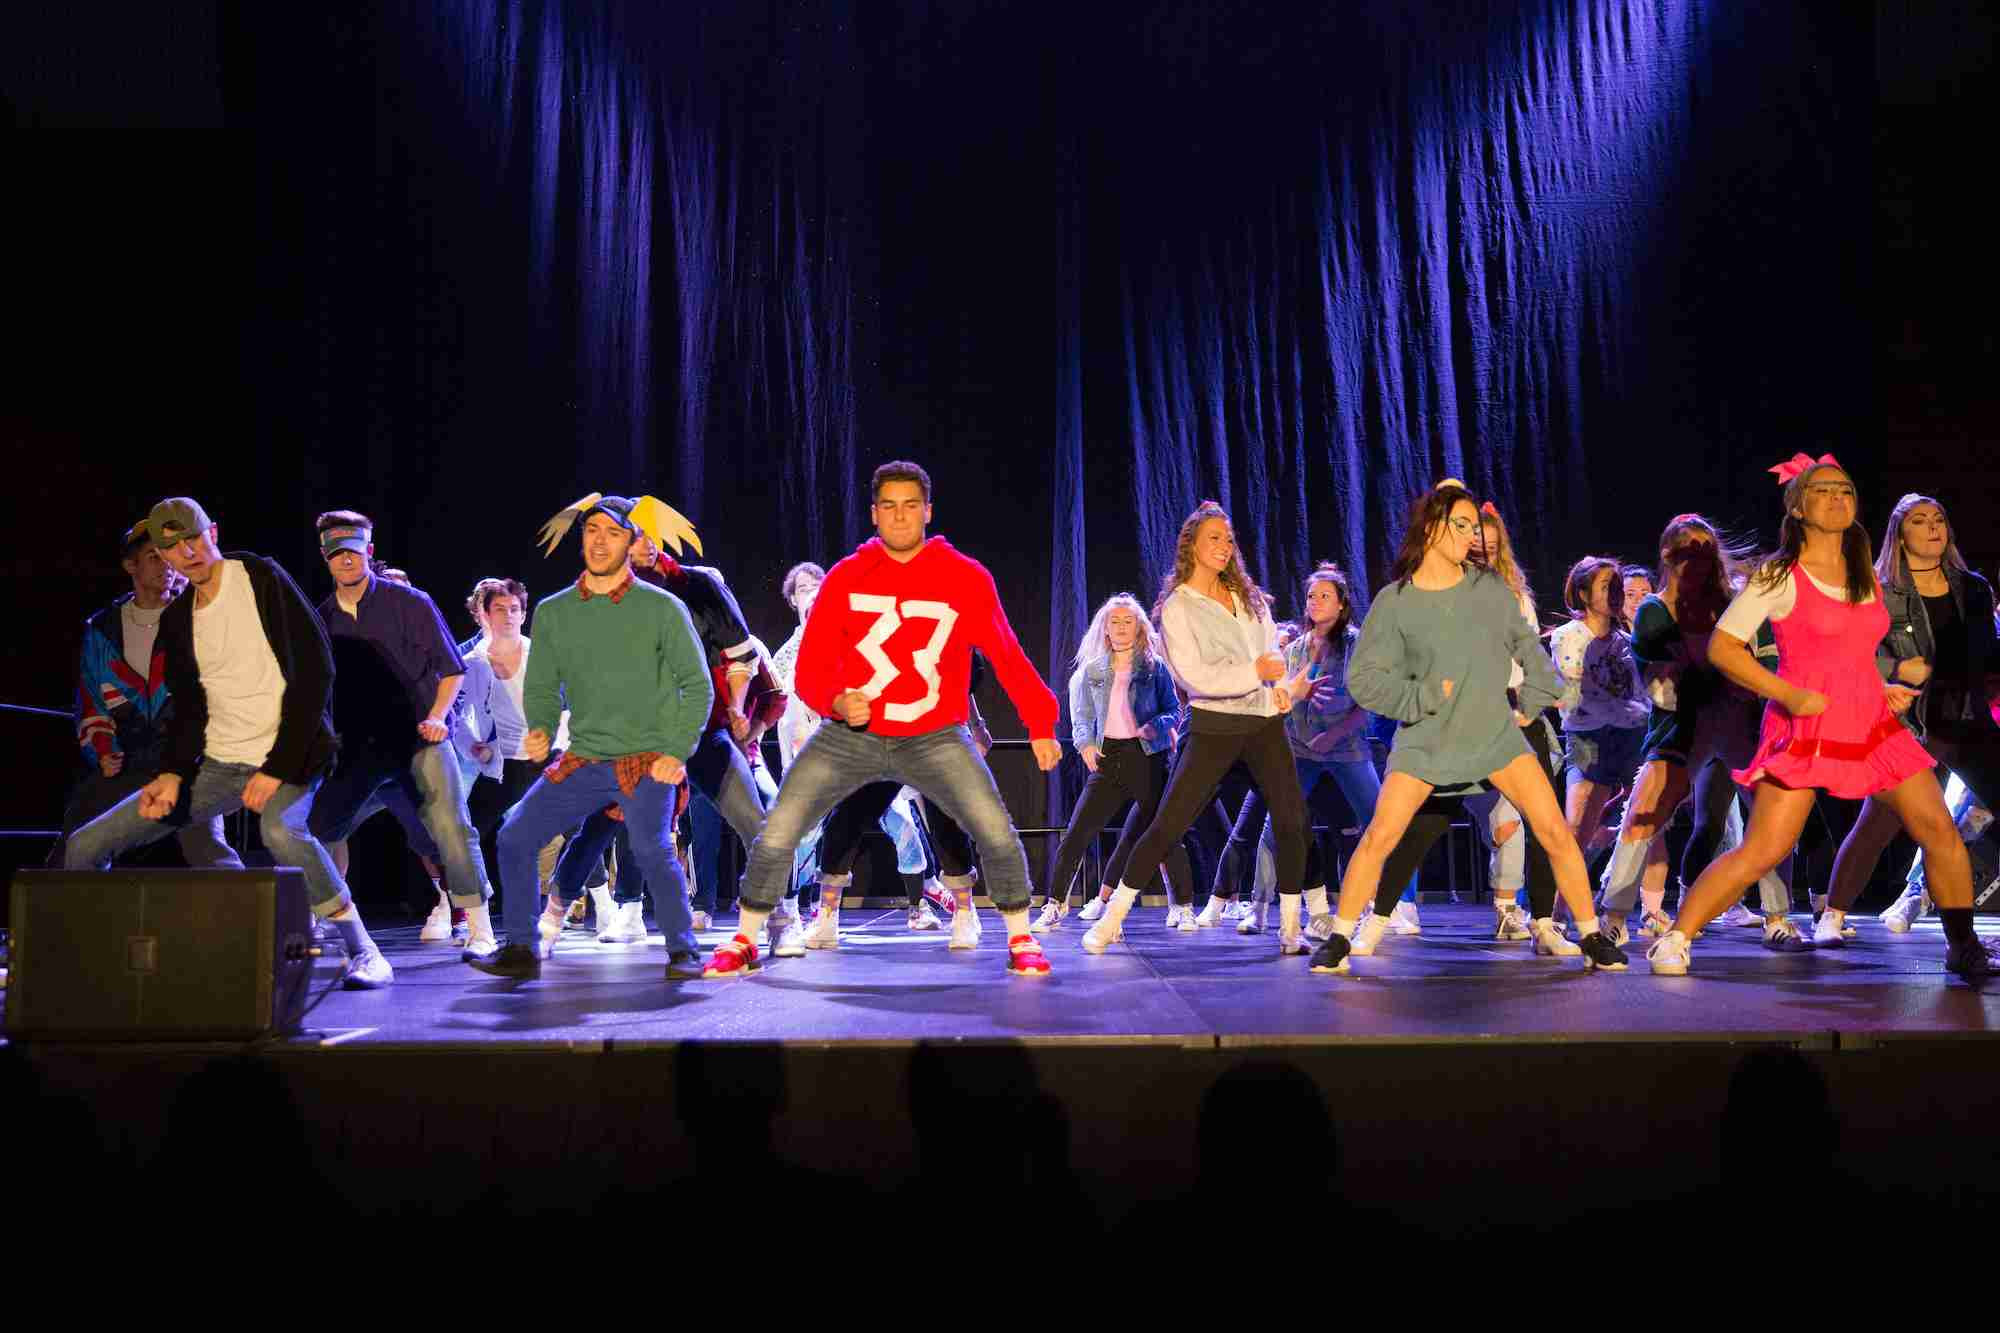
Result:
{"points": [[1233, 577]]}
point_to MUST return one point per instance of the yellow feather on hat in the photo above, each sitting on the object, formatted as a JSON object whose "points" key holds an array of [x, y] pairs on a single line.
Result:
{"points": [[664, 525]]}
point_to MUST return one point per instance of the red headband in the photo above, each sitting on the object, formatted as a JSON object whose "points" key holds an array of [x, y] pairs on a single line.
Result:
{"points": [[1800, 464]]}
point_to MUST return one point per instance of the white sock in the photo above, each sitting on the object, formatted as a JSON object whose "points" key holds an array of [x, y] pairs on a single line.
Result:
{"points": [[1016, 923], [751, 920], [1654, 900], [481, 922], [444, 899], [1344, 926], [1316, 901], [1587, 926], [352, 933]]}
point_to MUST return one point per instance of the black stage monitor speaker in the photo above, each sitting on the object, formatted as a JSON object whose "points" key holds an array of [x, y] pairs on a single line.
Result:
{"points": [[151, 955]]}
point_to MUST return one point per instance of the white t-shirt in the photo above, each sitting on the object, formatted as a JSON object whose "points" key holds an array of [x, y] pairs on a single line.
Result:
{"points": [[1758, 603], [142, 628], [239, 672]]}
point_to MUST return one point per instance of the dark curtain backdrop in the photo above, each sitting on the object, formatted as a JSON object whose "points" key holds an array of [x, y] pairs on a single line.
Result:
{"points": [[1605, 260]]}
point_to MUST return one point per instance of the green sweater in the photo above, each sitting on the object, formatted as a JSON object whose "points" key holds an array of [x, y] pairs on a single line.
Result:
{"points": [[1471, 634], [631, 673]]}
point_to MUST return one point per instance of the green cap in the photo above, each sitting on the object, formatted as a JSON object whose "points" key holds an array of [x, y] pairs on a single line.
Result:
{"points": [[177, 520]]}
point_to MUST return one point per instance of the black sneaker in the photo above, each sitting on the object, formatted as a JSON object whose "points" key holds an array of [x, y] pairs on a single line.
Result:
{"points": [[1972, 958], [1600, 954], [685, 966], [509, 960], [1332, 955]]}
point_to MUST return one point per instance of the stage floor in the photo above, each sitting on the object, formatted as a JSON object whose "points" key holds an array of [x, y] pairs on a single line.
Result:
{"points": [[1211, 988]]}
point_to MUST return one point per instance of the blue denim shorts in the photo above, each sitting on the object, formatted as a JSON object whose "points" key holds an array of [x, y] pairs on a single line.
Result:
{"points": [[1609, 755]]}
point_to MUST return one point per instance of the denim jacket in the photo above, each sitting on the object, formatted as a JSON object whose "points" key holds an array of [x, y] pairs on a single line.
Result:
{"points": [[1910, 636], [1151, 696], [1327, 706]]}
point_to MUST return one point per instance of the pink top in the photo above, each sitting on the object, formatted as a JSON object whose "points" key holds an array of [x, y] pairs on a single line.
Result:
{"points": [[1118, 723], [1857, 747]]}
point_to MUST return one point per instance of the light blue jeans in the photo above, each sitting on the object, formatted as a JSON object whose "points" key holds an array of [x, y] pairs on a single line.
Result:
{"points": [[942, 765], [218, 790]]}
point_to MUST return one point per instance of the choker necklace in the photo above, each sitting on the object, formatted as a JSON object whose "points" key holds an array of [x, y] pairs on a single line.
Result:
{"points": [[1927, 569]]}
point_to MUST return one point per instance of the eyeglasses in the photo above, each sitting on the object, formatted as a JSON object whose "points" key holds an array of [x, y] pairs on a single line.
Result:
{"points": [[1464, 527], [1834, 488]]}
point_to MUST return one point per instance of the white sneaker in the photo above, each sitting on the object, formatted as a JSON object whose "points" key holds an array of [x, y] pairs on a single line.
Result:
{"points": [[1741, 915], [1093, 909], [1550, 941], [924, 917], [1102, 936], [1615, 931], [1403, 921], [1053, 912], [965, 929], [1658, 925], [1510, 922], [1252, 920], [1319, 929], [703, 921], [606, 908], [824, 933], [1899, 916], [1669, 955], [1214, 911], [1238, 908], [628, 925], [368, 970], [1828, 932], [1188, 922], [1173, 921], [1368, 934], [437, 926], [788, 935]]}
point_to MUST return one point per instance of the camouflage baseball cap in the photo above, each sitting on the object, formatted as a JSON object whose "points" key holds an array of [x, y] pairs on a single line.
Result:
{"points": [[177, 520]]}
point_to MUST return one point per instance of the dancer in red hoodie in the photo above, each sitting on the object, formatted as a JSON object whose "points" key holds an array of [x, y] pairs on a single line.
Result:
{"points": [[886, 660]]}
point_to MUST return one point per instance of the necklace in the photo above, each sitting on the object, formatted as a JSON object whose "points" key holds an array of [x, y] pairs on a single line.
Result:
{"points": [[140, 619], [1924, 569]]}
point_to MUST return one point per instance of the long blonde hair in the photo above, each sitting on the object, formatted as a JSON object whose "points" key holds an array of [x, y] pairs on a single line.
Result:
{"points": [[1501, 559], [1233, 577], [1095, 645]]}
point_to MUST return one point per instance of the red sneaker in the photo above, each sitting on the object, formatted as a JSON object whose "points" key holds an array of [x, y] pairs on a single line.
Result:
{"points": [[943, 899], [737, 958], [1025, 957]]}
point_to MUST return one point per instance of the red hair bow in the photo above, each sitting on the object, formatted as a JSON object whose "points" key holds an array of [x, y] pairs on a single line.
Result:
{"points": [[1799, 464], [1486, 507]]}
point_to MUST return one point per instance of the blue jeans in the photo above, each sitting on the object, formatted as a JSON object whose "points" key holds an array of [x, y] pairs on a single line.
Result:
{"points": [[432, 781], [719, 773], [942, 765], [1360, 786], [217, 790], [550, 808]]}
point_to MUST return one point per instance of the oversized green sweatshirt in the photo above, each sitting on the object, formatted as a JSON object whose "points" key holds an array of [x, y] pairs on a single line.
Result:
{"points": [[628, 667]]}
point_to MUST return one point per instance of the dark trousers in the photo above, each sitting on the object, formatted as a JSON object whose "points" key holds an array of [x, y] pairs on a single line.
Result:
{"points": [[1218, 741], [840, 836], [1434, 817], [1125, 774], [489, 801]]}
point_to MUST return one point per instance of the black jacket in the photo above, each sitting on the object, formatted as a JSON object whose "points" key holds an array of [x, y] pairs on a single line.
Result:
{"points": [[306, 742], [1910, 636]]}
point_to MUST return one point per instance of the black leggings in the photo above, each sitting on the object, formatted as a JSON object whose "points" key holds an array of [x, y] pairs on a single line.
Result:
{"points": [[1125, 773], [1434, 817], [840, 839], [1218, 741]]}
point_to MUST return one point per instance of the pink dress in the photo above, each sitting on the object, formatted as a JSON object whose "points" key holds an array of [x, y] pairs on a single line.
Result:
{"points": [[1857, 747]]}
